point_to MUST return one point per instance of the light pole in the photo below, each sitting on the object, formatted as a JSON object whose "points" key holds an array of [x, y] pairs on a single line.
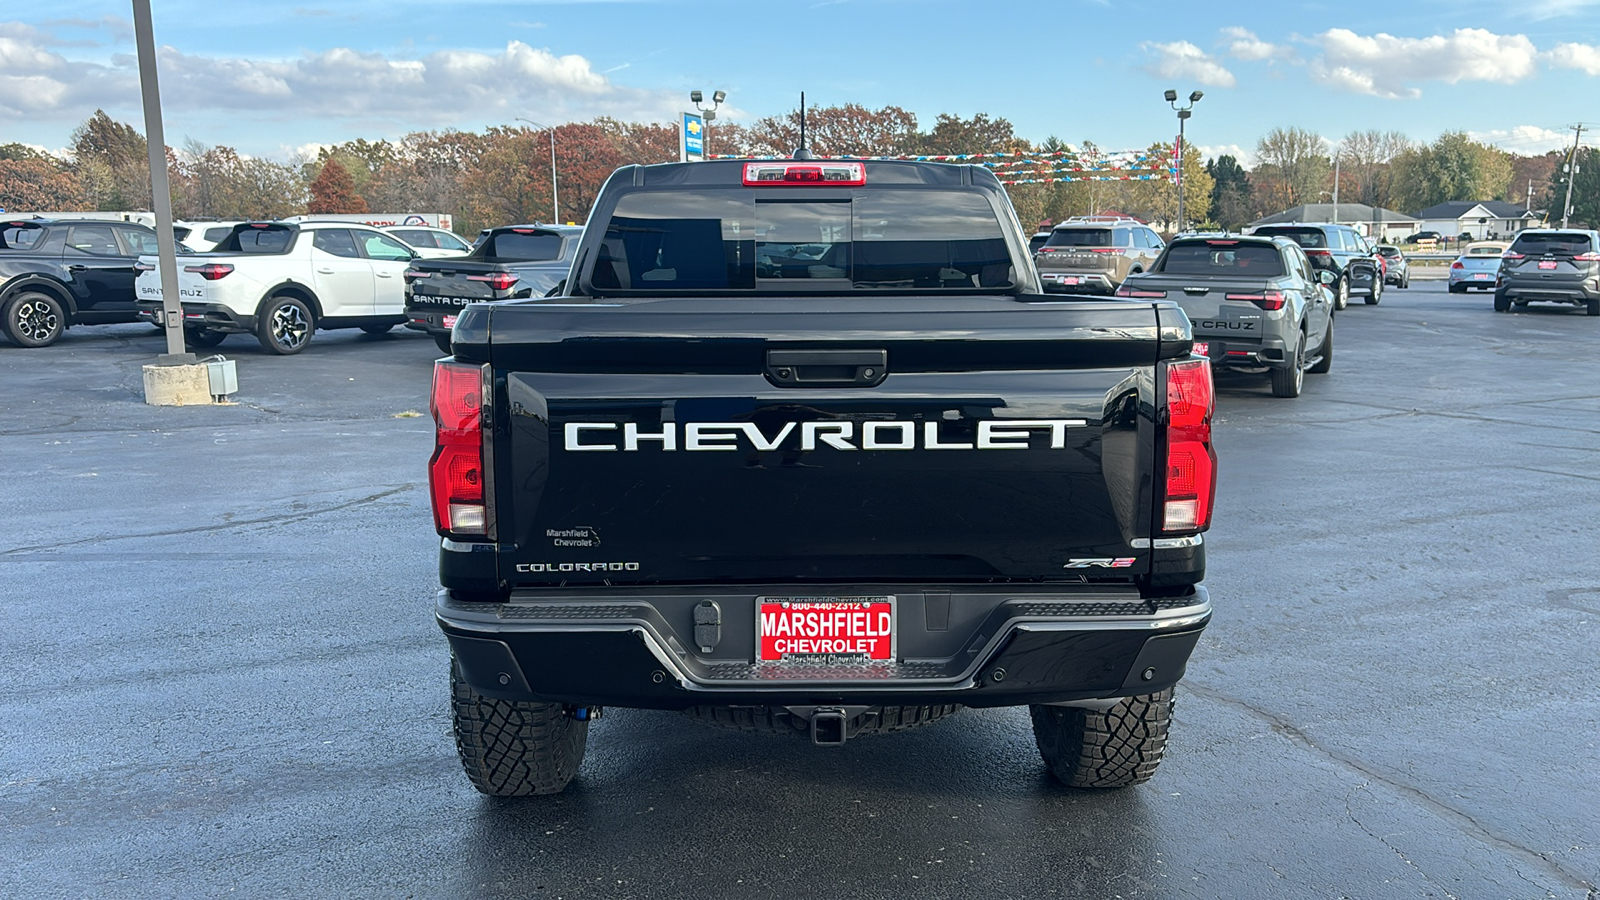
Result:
{"points": [[1183, 116], [708, 114], [555, 194]]}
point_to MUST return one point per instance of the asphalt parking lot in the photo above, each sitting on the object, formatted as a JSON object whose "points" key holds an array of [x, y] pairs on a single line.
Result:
{"points": [[222, 674]]}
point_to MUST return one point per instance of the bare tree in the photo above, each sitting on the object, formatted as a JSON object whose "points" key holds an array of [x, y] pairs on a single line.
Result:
{"points": [[1292, 167]]}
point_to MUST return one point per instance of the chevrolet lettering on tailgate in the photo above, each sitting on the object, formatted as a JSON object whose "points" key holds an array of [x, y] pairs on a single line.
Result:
{"points": [[873, 435]]}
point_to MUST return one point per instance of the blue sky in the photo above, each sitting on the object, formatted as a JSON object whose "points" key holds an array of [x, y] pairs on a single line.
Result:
{"points": [[268, 78]]}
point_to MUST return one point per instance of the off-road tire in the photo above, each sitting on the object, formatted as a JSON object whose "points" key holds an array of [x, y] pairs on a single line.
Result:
{"points": [[777, 720], [443, 340], [514, 748], [1594, 306], [1502, 302], [34, 319], [1288, 380], [377, 329], [285, 324], [203, 338], [1326, 362], [1114, 748]]}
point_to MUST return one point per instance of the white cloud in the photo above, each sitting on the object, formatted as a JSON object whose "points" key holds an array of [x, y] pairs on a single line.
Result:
{"points": [[1528, 140], [1576, 56], [448, 88], [1182, 59], [1245, 157], [1387, 66], [1245, 46], [1553, 9]]}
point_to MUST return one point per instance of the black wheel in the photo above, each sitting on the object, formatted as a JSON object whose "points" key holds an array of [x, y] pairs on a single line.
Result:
{"points": [[1458, 289], [1287, 381], [443, 340], [203, 337], [513, 748], [1118, 747], [1502, 303], [1376, 293], [284, 325], [1405, 280], [34, 319], [377, 329], [1594, 306], [777, 720], [1342, 295], [1326, 362]]}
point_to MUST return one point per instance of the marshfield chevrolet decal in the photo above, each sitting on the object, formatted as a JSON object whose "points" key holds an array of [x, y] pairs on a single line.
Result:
{"points": [[1008, 434]]}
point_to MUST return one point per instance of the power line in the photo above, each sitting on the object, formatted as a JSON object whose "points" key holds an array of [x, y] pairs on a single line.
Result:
{"points": [[1572, 171]]}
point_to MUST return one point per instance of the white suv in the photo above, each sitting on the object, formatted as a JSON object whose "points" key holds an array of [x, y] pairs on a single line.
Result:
{"points": [[282, 281]]}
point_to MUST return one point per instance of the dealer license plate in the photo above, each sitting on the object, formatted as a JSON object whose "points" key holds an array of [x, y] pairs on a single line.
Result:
{"points": [[1069, 280], [449, 321], [1202, 348], [1547, 265], [825, 629], [1481, 276]]}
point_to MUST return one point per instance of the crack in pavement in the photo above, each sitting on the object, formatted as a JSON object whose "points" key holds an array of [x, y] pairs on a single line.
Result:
{"points": [[222, 526], [1461, 820], [1385, 841]]}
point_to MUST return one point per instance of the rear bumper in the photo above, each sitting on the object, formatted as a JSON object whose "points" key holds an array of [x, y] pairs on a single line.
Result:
{"points": [[1535, 292], [431, 321], [210, 316], [1077, 282], [1229, 351], [1470, 280], [1030, 646]]}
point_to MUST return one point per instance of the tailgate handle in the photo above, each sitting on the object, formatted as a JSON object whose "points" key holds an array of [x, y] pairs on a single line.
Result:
{"points": [[819, 368]]}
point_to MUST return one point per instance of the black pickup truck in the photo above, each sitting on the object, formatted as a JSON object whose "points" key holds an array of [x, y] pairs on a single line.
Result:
{"points": [[802, 446], [509, 263], [56, 273]]}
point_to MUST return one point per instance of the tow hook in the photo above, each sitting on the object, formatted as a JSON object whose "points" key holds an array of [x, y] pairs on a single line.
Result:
{"points": [[584, 713], [828, 728]]}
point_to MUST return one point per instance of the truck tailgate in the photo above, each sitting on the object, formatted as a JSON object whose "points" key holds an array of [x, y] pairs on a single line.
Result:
{"points": [[738, 440]]}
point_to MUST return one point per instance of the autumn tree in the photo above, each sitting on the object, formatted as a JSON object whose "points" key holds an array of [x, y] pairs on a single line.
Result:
{"points": [[216, 182], [1230, 193], [427, 172], [1531, 176], [848, 130], [334, 191], [111, 164], [1292, 168], [35, 184]]}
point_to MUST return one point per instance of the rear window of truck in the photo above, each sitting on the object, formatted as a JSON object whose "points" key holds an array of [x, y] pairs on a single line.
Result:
{"points": [[1231, 258], [1305, 237], [258, 239], [1561, 243], [734, 240], [523, 246]]}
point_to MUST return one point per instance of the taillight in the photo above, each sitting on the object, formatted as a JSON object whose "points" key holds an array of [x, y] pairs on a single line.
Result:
{"points": [[1586, 257], [500, 281], [1319, 252], [456, 475], [211, 271], [1265, 299], [1105, 249], [1509, 255], [1457, 265], [411, 275], [1190, 463], [1126, 291], [831, 174]]}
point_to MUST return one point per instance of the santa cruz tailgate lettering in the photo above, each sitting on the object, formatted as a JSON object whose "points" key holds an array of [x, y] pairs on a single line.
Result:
{"points": [[993, 434]]}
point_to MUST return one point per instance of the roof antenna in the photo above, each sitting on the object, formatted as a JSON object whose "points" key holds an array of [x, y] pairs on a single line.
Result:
{"points": [[801, 152]]}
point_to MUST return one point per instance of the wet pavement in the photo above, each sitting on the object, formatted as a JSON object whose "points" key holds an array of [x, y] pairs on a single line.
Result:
{"points": [[222, 673]]}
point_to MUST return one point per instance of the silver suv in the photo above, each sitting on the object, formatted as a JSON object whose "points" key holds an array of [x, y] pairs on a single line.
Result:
{"points": [[1095, 254], [1550, 265]]}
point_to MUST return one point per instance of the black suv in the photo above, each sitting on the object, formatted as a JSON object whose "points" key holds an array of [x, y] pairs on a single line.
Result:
{"points": [[56, 274], [1340, 250], [1550, 265]]}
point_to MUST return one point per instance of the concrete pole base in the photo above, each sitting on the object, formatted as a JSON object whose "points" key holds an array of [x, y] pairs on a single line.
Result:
{"points": [[177, 386]]}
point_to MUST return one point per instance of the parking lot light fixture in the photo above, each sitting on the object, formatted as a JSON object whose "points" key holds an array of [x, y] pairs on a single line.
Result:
{"points": [[555, 194], [1171, 97], [696, 97]]}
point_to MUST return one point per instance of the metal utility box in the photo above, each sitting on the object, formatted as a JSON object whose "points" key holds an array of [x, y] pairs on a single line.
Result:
{"points": [[224, 377]]}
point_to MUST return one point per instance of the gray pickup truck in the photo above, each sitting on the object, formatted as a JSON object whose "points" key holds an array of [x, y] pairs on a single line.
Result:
{"points": [[1255, 302]]}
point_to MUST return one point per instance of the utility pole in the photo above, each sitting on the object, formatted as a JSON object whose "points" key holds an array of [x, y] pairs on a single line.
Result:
{"points": [[1572, 171], [1335, 188], [160, 193]]}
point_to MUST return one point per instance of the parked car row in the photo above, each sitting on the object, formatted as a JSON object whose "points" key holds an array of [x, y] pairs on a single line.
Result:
{"points": [[278, 281]]}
